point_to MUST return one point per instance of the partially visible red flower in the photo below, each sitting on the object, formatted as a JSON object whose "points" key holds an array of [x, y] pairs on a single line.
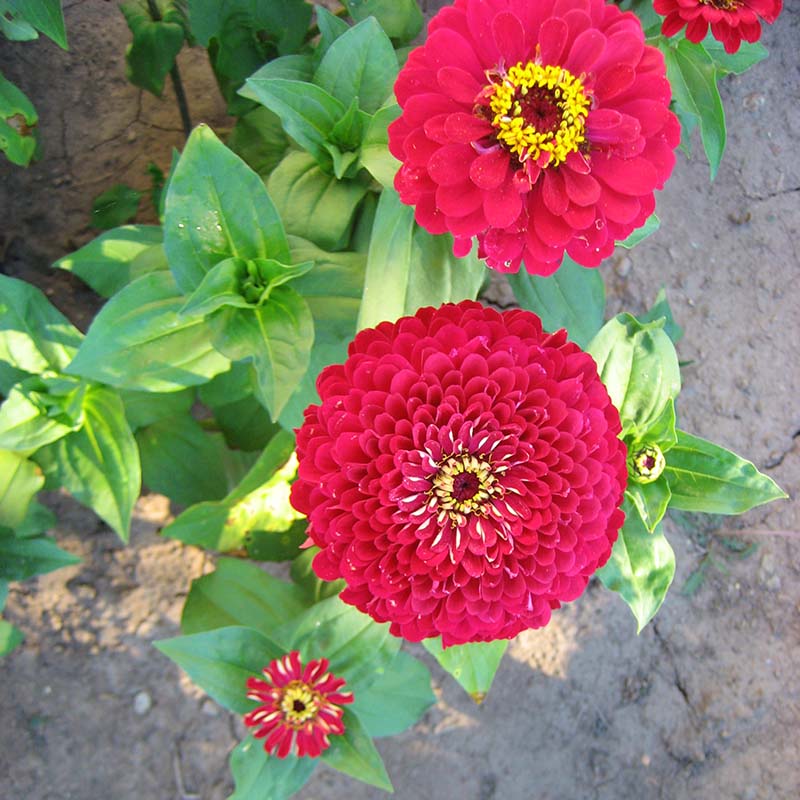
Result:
{"points": [[300, 706], [463, 473], [537, 127], [730, 20]]}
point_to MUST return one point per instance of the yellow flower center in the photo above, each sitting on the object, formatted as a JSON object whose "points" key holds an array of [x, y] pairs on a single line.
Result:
{"points": [[463, 485], [300, 703], [539, 111]]}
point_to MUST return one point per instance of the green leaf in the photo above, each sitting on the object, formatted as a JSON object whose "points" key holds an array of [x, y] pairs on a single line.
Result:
{"points": [[99, 464], [693, 78], [139, 340], [239, 593], [375, 155], [748, 55], [641, 567], [650, 500], [34, 336], [662, 430], [182, 461], [706, 477], [304, 577], [331, 28], [10, 637], [357, 647], [221, 661], [651, 225], [573, 298], [259, 502], [18, 133], [408, 267], [398, 699], [116, 258], [354, 754], [359, 65], [13, 25], [38, 520], [244, 424], [661, 310], [639, 367], [115, 207], [217, 207], [45, 15], [258, 139], [277, 336], [472, 665], [21, 559], [259, 776], [20, 479], [401, 19], [156, 43], [308, 113], [311, 203], [145, 408]]}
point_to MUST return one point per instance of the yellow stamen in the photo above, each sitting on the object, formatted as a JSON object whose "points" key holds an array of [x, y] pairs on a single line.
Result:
{"points": [[300, 703]]}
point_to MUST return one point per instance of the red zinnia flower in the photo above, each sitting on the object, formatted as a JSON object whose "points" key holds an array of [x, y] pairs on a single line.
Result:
{"points": [[463, 473], [539, 127], [730, 20], [300, 706]]}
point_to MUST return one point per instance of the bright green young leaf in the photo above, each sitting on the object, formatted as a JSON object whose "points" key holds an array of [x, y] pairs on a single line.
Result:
{"points": [[357, 647], [311, 203], [115, 207], [641, 567], [220, 287], [348, 131], [650, 500], [573, 298], [259, 140], [45, 15], [359, 65], [661, 309], [354, 753], [20, 479], [239, 593], [651, 225], [259, 502], [748, 55], [99, 464], [38, 411], [472, 665], [308, 113], [217, 207], [145, 408], [401, 19], [220, 662], [398, 699], [706, 477], [375, 155], [259, 776], [116, 258], [21, 559], [639, 367], [304, 577], [139, 340], [182, 461], [156, 43], [693, 78], [18, 118], [38, 520], [34, 336], [277, 336]]}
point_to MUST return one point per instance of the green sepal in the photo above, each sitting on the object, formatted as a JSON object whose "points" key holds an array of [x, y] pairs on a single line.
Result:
{"points": [[473, 665]]}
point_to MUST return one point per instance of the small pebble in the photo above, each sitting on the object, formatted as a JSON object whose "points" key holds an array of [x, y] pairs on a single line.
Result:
{"points": [[142, 703]]}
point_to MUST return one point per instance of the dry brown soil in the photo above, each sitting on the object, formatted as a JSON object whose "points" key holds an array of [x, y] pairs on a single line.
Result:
{"points": [[704, 704]]}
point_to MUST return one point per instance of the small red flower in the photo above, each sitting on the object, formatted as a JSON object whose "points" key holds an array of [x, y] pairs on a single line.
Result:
{"points": [[463, 473], [300, 706], [537, 127], [730, 20]]}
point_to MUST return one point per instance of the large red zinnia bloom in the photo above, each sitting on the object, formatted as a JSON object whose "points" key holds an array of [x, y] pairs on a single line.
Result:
{"points": [[539, 126], [463, 473], [730, 20], [300, 706]]}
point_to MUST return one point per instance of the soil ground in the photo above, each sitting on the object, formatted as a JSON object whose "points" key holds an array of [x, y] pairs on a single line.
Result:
{"points": [[704, 704]]}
